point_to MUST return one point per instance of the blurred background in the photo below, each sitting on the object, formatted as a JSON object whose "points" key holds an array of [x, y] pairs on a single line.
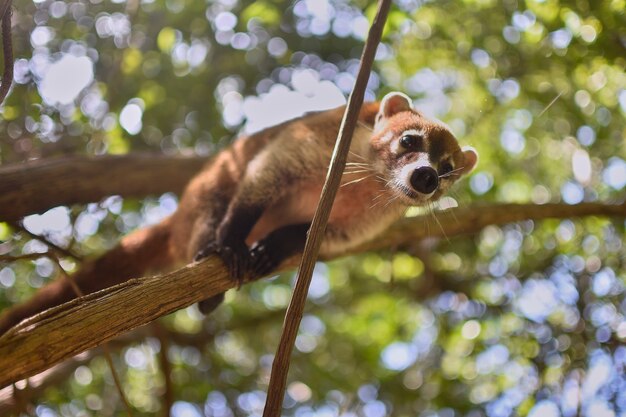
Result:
{"points": [[526, 319]]}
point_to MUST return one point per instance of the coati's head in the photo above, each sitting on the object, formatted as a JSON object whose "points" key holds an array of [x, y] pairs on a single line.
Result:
{"points": [[420, 158]]}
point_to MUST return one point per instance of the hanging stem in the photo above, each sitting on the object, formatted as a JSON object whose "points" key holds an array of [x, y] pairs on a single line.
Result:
{"points": [[7, 50], [280, 366]]}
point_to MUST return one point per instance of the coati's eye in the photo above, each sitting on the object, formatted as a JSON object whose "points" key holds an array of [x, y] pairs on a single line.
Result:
{"points": [[445, 168], [408, 141]]}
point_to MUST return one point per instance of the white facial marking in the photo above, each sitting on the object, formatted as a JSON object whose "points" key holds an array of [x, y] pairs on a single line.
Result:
{"points": [[412, 132], [387, 137]]}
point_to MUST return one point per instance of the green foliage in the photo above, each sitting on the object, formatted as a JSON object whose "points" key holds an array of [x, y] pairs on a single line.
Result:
{"points": [[516, 320]]}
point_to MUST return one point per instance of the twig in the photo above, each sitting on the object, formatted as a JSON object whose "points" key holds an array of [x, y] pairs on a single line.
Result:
{"points": [[293, 316], [7, 50], [67, 276], [166, 368], [24, 257], [105, 347], [116, 378], [51, 245]]}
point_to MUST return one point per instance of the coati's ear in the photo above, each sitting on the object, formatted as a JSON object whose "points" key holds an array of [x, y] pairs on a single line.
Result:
{"points": [[470, 158], [393, 103]]}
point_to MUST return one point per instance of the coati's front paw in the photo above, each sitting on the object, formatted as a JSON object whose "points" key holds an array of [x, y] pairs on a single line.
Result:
{"points": [[210, 249], [236, 257], [262, 262]]}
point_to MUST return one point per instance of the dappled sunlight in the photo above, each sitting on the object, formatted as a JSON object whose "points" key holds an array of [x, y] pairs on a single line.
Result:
{"points": [[130, 117], [64, 79], [525, 319]]}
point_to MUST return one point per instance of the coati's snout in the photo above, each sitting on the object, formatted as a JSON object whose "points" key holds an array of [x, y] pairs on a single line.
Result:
{"points": [[424, 180]]}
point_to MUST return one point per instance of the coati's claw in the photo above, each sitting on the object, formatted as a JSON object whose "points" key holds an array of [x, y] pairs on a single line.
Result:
{"points": [[235, 262], [261, 260], [235, 258], [209, 249]]}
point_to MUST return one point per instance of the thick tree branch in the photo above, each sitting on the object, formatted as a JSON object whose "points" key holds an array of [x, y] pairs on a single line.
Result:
{"points": [[64, 331], [26, 188], [58, 374], [467, 220]]}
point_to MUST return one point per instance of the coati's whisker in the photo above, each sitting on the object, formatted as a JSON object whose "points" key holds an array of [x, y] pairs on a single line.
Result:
{"points": [[454, 172], [363, 125], [358, 156], [363, 171], [456, 197], [356, 180], [358, 169], [434, 214], [427, 224], [545, 109], [384, 201], [391, 200], [361, 166], [378, 203], [379, 198]]}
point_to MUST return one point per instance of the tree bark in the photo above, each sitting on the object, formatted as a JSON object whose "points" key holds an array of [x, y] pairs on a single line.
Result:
{"points": [[10, 404], [64, 331], [36, 186]]}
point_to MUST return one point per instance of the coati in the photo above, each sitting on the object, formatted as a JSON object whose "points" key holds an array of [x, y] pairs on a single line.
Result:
{"points": [[253, 202]]}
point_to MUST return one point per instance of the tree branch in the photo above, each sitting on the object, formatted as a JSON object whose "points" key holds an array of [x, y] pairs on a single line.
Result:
{"points": [[25, 188], [64, 331], [467, 220], [58, 374]]}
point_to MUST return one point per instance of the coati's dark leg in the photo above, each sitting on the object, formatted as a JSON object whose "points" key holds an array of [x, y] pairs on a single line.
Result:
{"points": [[266, 183], [229, 243], [267, 254], [210, 304]]}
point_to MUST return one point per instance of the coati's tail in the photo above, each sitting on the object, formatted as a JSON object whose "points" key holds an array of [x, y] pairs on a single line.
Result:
{"points": [[141, 251]]}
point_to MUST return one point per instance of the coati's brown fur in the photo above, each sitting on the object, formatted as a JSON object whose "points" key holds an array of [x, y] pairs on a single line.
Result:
{"points": [[253, 202]]}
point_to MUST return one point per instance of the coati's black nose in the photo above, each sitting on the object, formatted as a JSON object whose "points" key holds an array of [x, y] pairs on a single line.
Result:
{"points": [[425, 180]]}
